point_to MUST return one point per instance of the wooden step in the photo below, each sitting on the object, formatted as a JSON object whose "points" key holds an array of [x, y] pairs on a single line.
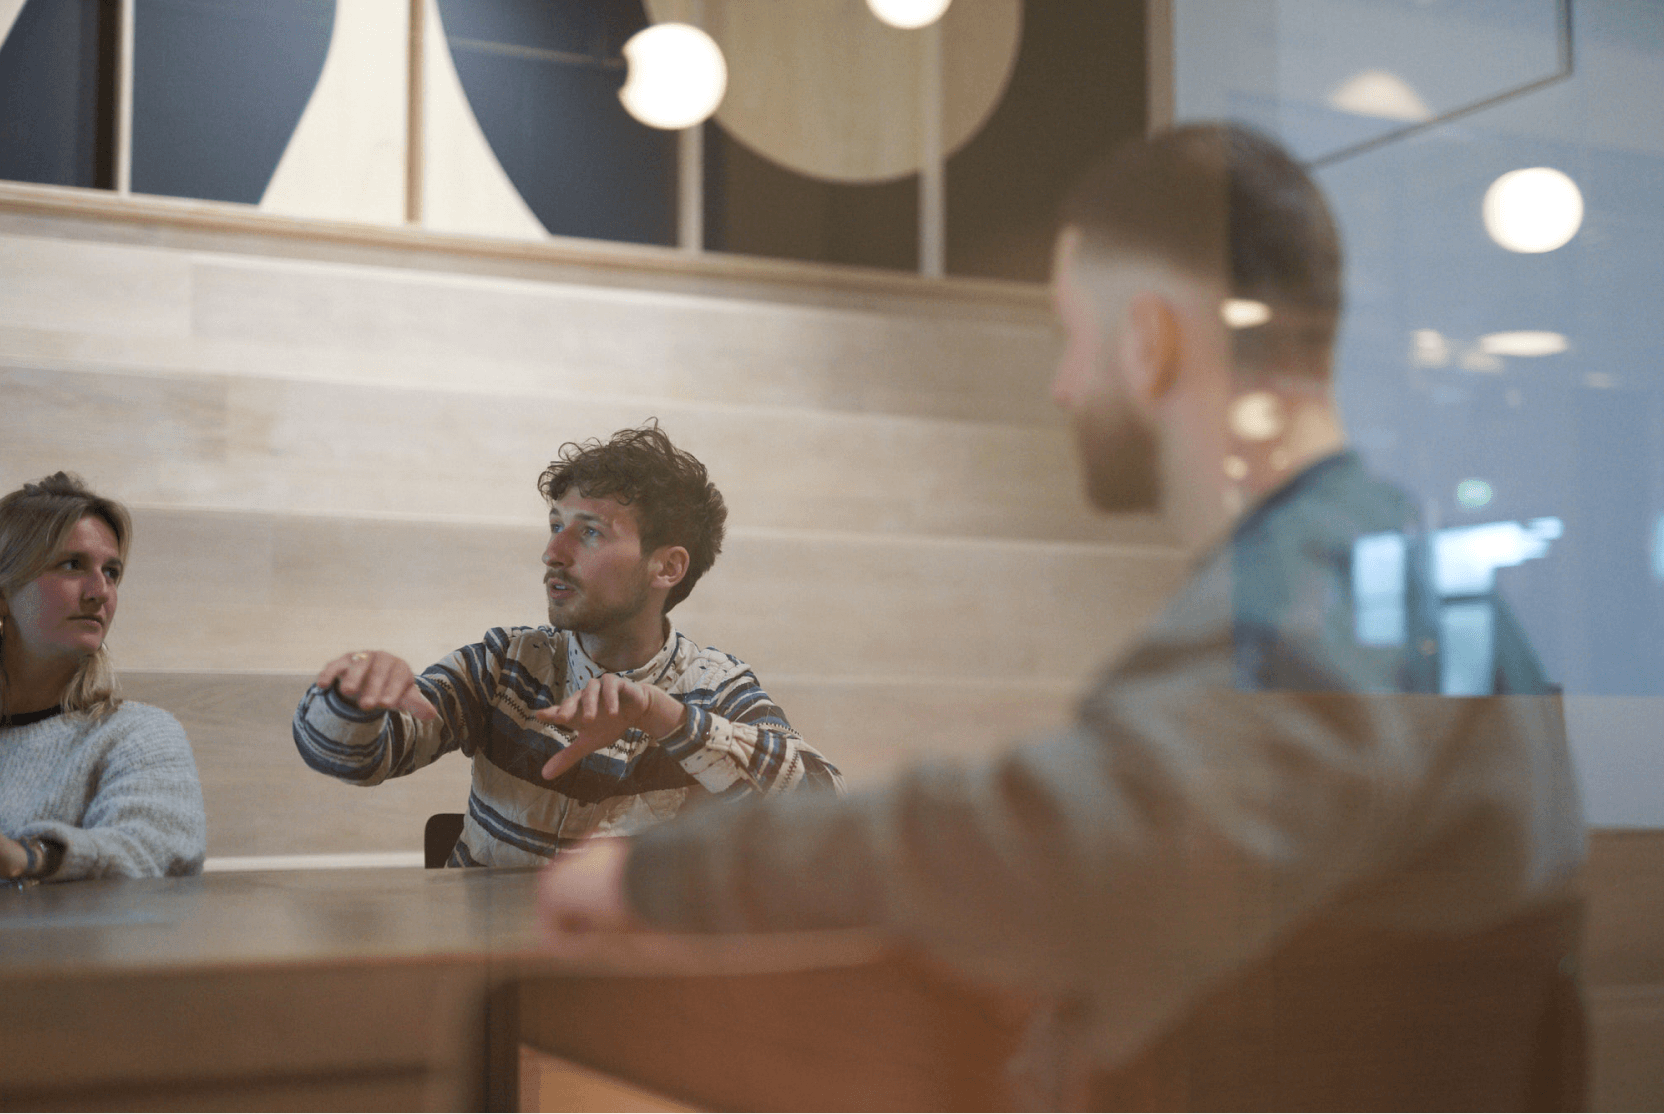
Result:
{"points": [[251, 591], [128, 306], [330, 448]]}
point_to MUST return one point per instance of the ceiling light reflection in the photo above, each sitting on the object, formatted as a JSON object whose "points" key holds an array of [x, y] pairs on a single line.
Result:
{"points": [[1380, 94], [1527, 342], [1473, 494], [1256, 416], [1244, 313], [1533, 210], [1428, 348]]}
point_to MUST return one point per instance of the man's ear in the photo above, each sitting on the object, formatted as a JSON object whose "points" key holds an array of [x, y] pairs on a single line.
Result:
{"points": [[1150, 347], [670, 566]]}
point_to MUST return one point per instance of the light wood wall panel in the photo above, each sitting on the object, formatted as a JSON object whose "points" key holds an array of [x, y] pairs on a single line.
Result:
{"points": [[394, 328], [116, 292], [238, 590], [331, 448]]}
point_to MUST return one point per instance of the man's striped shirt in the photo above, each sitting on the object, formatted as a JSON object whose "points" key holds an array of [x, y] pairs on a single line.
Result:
{"points": [[735, 742]]}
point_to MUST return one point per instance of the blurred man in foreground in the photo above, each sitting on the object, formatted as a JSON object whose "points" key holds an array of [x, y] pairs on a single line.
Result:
{"points": [[1267, 842]]}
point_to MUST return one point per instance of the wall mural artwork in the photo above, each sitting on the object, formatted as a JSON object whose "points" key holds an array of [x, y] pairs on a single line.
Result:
{"points": [[303, 109], [542, 81], [825, 89], [346, 157], [218, 90], [52, 125], [464, 186]]}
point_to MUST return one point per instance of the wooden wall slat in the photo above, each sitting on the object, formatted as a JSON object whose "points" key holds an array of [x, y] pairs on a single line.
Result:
{"points": [[254, 591], [299, 447]]}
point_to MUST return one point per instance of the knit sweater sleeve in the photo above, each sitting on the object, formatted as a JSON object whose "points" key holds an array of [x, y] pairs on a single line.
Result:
{"points": [[144, 815], [737, 742], [337, 737]]}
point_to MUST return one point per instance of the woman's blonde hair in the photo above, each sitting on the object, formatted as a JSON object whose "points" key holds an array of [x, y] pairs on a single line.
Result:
{"points": [[35, 523]]}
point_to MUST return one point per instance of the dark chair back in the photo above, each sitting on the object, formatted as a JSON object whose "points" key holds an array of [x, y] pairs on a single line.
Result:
{"points": [[1349, 1019], [439, 837]]}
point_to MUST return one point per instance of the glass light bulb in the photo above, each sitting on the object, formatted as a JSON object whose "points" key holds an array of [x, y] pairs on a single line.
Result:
{"points": [[908, 14], [677, 76]]}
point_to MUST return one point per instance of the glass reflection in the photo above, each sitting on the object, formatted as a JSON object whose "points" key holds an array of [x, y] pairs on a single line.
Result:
{"points": [[1463, 562]]}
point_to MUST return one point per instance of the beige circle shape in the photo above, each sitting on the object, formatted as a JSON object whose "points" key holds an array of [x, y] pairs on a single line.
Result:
{"points": [[826, 89]]}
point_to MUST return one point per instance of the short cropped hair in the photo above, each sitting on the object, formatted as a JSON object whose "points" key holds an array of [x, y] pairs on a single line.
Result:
{"points": [[674, 500], [35, 524], [1223, 202]]}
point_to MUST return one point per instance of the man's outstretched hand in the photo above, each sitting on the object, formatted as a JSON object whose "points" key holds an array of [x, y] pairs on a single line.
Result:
{"points": [[376, 680], [583, 890], [603, 710]]}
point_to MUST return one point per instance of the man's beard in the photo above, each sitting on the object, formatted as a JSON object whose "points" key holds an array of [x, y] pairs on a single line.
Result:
{"points": [[1120, 458], [590, 617]]}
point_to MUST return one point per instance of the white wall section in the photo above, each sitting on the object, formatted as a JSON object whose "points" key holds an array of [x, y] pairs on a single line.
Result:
{"points": [[346, 159], [464, 187]]}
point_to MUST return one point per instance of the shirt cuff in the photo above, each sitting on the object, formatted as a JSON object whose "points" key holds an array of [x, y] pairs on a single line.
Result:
{"points": [[691, 736]]}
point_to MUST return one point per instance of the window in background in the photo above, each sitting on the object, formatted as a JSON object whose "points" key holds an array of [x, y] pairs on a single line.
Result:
{"points": [[1078, 88]]}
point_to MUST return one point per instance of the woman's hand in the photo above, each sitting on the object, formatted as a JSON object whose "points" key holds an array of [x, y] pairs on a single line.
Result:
{"points": [[14, 860]]}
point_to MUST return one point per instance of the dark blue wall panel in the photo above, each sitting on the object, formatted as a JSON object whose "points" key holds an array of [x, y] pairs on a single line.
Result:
{"points": [[52, 128], [543, 80], [218, 88]]}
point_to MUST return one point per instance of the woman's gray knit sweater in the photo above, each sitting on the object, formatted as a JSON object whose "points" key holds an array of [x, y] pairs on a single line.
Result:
{"points": [[120, 793]]}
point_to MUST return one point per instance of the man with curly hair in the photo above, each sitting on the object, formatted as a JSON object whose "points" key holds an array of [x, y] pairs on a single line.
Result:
{"points": [[606, 721]]}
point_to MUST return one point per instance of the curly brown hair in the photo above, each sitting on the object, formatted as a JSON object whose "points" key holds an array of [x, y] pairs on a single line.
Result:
{"points": [[674, 500]]}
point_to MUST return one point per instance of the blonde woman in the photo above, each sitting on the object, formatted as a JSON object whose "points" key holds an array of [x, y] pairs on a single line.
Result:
{"points": [[90, 786]]}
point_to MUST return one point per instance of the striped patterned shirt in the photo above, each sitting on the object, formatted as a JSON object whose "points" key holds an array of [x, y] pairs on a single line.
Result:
{"points": [[735, 743]]}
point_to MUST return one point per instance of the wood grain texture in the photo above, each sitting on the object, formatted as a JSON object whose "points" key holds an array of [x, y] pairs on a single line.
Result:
{"points": [[1623, 966], [808, 1041], [263, 592], [98, 216], [91, 288], [335, 448], [399, 328]]}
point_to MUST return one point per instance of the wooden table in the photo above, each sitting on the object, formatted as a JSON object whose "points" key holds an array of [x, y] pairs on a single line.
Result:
{"points": [[410, 989], [351, 989]]}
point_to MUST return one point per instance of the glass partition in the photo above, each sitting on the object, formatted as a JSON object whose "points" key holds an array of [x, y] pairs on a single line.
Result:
{"points": [[1497, 168]]}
